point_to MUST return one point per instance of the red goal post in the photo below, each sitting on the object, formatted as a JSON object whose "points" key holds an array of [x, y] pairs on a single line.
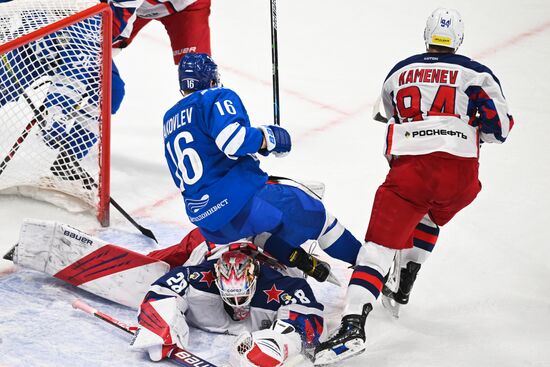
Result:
{"points": [[55, 101]]}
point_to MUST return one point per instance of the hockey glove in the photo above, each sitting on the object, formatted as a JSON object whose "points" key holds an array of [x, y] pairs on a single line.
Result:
{"points": [[162, 327], [266, 348], [277, 141]]}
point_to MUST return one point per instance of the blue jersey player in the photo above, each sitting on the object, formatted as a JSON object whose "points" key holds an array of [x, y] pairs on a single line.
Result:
{"points": [[210, 148], [65, 63]]}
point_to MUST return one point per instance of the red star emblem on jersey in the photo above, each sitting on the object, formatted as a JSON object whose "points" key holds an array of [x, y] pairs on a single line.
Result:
{"points": [[207, 277], [273, 294]]}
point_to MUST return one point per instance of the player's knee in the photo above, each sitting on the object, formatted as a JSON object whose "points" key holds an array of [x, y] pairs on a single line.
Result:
{"points": [[376, 256], [338, 242]]}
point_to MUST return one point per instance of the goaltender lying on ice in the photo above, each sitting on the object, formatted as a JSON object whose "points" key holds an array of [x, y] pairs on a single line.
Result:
{"points": [[235, 289]]}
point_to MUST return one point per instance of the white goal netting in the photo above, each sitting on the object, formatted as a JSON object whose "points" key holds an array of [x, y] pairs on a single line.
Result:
{"points": [[51, 121]]}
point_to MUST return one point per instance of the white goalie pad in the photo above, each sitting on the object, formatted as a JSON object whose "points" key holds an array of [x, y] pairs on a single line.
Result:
{"points": [[112, 272]]}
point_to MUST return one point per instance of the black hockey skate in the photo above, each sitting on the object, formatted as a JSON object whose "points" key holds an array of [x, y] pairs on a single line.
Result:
{"points": [[406, 281], [309, 264], [348, 341]]}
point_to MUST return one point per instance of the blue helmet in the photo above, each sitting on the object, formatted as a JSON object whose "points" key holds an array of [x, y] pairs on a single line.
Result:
{"points": [[197, 71]]}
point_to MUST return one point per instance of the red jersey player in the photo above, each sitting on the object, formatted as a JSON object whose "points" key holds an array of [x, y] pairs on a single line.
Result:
{"points": [[440, 106]]}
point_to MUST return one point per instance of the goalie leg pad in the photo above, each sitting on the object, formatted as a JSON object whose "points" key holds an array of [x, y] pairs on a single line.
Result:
{"points": [[109, 271]]}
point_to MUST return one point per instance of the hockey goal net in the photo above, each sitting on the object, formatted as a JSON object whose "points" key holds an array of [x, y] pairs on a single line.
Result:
{"points": [[55, 90]]}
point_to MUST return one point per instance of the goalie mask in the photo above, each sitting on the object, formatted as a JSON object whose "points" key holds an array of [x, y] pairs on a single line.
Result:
{"points": [[236, 275], [197, 72]]}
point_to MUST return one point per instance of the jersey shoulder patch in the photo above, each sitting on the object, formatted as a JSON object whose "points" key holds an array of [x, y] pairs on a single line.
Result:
{"points": [[202, 277], [275, 290]]}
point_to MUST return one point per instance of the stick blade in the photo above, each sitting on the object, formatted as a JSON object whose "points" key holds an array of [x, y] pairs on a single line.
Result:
{"points": [[10, 254]]}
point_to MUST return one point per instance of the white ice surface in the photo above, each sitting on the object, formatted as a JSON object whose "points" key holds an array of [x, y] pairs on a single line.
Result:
{"points": [[483, 299]]}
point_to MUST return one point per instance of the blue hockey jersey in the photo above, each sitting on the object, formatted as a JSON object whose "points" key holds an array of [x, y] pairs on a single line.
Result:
{"points": [[209, 147]]}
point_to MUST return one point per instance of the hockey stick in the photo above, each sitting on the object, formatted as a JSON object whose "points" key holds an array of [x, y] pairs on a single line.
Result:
{"points": [[317, 189], [86, 177], [145, 231], [15, 147], [38, 118], [89, 182], [376, 115], [178, 355], [9, 255], [275, 63]]}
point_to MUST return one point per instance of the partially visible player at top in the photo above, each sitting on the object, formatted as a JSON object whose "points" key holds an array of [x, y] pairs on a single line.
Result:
{"points": [[210, 148], [440, 106], [186, 22]]}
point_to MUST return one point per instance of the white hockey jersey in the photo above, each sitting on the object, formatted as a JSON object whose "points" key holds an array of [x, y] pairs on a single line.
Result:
{"points": [[277, 297], [453, 102]]}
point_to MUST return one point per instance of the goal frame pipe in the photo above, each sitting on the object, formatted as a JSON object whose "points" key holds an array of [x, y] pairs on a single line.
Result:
{"points": [[104, 191]]}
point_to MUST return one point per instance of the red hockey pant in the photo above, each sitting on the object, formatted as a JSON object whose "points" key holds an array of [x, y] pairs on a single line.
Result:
{"points": [[189, 30], [433, 184]]}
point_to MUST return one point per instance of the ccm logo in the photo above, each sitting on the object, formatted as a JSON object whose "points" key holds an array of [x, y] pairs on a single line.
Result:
{"points": [[82, 239]]}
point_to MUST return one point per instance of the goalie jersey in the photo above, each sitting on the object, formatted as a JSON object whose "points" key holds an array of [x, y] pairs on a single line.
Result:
{"points": [[209, 147], [277, 296], [443, 103]]}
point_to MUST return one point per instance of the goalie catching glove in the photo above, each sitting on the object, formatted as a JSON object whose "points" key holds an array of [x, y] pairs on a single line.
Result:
{"points": [[266, 348], [162, 327]]}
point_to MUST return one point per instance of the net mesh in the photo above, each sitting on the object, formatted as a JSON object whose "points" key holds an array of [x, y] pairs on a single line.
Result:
{"points": [[50, 101]]}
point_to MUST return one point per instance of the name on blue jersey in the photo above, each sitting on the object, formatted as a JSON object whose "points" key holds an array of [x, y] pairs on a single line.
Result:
{"points": [[178, 120]]}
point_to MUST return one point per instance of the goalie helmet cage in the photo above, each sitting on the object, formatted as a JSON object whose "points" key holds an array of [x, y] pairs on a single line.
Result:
{"points": [[55, 102]]}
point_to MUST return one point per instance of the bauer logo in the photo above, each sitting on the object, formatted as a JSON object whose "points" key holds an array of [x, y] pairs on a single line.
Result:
{"points": [[191, 360], [77, 237]]}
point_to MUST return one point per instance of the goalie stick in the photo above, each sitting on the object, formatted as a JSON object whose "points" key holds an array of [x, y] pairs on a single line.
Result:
{"points": [[178, 355]]}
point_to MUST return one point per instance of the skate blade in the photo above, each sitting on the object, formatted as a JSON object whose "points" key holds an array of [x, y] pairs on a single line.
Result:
{"points": [[332, 279], [390, 305], [328, 357]]}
